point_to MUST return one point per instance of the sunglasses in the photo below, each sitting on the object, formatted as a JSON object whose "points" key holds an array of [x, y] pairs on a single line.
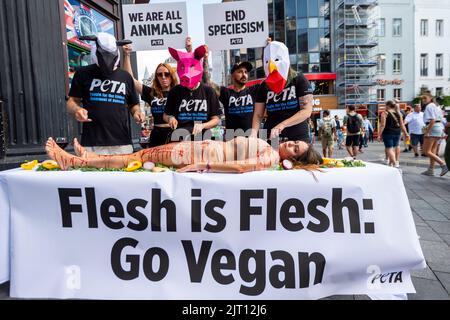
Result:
{"points": [[165, 74]]}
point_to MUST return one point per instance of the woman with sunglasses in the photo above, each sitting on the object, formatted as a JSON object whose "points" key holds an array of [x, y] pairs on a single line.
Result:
{"points": [[155, 96]]}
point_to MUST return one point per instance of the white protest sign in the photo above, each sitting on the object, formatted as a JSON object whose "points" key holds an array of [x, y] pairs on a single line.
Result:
{"points": [[155, 26], [259, 235], [235, 25]]}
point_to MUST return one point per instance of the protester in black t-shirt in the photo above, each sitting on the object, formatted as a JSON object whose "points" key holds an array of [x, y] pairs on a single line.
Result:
{"points": [[238, 101], [284, 95], [194, 110], [101, 96], [156, 96], [191, 105]]}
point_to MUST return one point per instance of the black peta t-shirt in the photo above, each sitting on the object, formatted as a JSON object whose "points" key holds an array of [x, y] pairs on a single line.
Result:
{"points": [[157, 104], [238, 107], [188, 106], [284, 105], [107, 101]]}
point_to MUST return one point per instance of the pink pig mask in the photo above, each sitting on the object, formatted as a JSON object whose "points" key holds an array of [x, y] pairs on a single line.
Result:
{"points": [[189, 66]]}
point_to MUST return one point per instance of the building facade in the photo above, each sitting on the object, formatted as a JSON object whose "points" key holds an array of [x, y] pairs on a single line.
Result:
{"points": [[39, 54], [432, 46], [395, 74], [305, 27], [414, 49]]}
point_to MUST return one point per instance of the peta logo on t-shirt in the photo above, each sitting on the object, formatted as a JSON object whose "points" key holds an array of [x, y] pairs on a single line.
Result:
{"points": [[108, 91], [193, 105], [285, 95], [158, 105], [240, 101]]}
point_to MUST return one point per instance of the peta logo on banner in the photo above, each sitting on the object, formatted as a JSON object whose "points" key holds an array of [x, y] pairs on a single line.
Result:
{"points": [[236, 41], [157, 42]]}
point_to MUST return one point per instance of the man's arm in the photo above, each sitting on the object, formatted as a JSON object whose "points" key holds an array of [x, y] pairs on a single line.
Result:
{"points": [[137, 114], [307, 105], [74, 108], [127, 49], [258, 114]]}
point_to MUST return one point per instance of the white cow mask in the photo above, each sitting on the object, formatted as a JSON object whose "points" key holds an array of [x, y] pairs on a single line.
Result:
{"points": [[276, 65]]}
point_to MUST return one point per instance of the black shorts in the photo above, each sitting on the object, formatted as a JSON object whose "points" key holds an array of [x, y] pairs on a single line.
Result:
{"points": [[416, 139], [352, 141]]}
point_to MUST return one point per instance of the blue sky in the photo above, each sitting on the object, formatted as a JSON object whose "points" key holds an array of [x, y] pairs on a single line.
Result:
{"points": [[195, 27]]}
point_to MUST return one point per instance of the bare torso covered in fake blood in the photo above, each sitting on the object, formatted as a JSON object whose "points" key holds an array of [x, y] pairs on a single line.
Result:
{"points": [[180, 154]]}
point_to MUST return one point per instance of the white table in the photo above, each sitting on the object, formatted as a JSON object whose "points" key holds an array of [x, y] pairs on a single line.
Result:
{"points": [[61, 242]]}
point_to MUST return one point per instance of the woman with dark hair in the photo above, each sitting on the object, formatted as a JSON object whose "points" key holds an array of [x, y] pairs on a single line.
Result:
{"points": [[391, 127], [156, 96], [238, 155]]}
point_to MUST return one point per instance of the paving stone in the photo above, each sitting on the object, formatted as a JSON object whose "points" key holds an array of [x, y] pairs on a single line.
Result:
{"points": [[440, 227], [446, 238], [418, 220], [428, 290], [430, 215], [444, 278], [419, 204], [426, 233], [426, 273], [435, 201], [437, 255], [4, 290]]}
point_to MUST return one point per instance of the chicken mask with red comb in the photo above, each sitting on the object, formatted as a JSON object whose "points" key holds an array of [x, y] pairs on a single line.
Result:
{"points": [[276, 65]]}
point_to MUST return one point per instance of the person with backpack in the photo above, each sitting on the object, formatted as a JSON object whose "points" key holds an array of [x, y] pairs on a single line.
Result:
{"points": [[353, 123], [327, 130], [391, 127]]}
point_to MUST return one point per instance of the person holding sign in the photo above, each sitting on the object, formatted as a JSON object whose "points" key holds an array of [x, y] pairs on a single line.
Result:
{"points": [[191, 105], [238, 155], [286, 96], [238, 101], [101, 96], [155, 96]]}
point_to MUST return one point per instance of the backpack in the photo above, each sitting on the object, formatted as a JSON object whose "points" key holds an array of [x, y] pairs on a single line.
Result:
{"points": [[327, 128], [353, 125]]}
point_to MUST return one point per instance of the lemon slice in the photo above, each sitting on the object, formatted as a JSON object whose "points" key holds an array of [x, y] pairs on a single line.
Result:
{"points": [[134, 165], [29, 165], [50, 164]]}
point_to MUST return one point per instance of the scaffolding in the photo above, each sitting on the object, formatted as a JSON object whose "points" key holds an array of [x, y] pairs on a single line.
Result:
{"points": [[356, 50]]}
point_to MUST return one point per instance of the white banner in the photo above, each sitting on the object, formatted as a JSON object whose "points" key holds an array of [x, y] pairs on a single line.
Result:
{"points": [[4, 232], [236, 25], [259, 235], [155, 26]]}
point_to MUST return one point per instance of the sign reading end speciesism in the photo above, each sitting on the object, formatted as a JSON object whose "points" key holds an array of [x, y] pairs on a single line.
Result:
{"points": [[155, 26], [235, 25]]}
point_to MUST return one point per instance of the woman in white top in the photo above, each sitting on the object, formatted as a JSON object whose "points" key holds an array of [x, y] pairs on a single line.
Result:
{"points": [[432, 134]]}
